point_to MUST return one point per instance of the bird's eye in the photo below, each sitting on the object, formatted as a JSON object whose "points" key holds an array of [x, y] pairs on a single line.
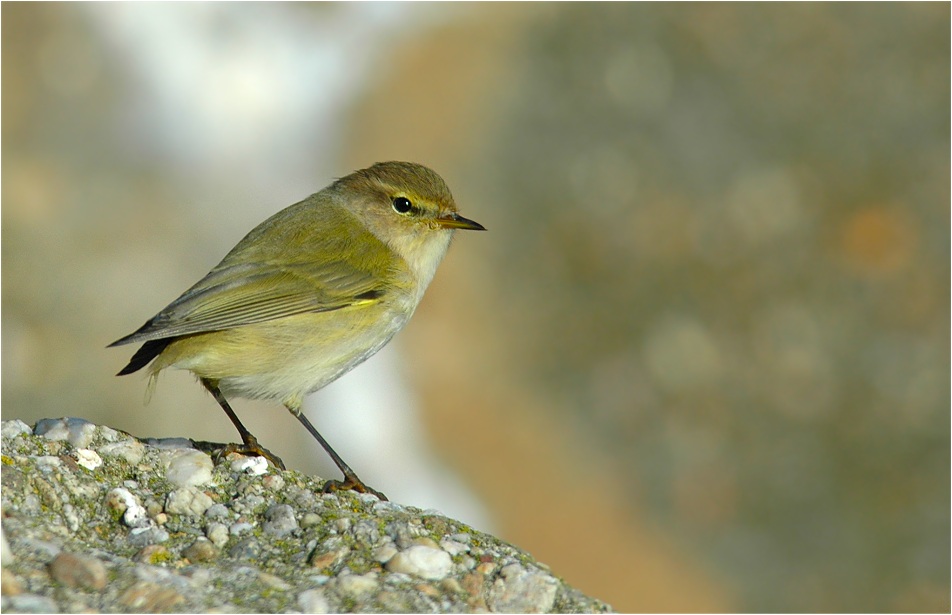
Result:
{"points": [[402, 205]]}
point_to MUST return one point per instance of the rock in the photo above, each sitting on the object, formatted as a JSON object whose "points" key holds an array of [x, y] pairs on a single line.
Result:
{"points": [[10, 584], [357, 585], [453, 547], [78, 432], [385, 552], [133, 513], [143, 536], [256, 466], [150, 597], [188, 501], [129, 450], [189, 468], [6, 555], [518, 590], [328, 558], [78, 571], [217, 533], [280, 520], [422, 561], [87, 458], [313, 601], [14, 428], [31, 603], [202, 550], [123, 537]]}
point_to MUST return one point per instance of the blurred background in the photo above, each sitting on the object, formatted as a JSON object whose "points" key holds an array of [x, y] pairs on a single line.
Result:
{"points": [[700, 361]]}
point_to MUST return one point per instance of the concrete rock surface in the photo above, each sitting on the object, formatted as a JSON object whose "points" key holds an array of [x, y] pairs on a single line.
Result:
{"points": [[123, 535]]}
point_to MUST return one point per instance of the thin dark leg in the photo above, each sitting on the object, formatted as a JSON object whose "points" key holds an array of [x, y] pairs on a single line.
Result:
{"points": [[249, 444], [351, 480]]}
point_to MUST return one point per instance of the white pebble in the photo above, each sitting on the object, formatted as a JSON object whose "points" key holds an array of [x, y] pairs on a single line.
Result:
{"points": [[452, 547], [518, 590], [46, 463], [188, 501], [128, 450], [6, 553], [357, 585], [240, 528], [189, 468], [88, 458], [134, 514], [217, 533], [313, 601], [255, 466], [385, 552], [76, 431], [423, 562], [14, 429]]}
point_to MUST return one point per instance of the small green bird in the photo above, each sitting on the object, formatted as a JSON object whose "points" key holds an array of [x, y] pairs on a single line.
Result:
{"points": [[308, 295]]}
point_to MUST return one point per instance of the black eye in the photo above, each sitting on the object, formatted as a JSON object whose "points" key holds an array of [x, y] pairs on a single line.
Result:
{"points": [[402, 205]]}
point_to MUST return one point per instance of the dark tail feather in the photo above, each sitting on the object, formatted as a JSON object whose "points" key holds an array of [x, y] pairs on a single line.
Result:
{"points": [[146, 353]]}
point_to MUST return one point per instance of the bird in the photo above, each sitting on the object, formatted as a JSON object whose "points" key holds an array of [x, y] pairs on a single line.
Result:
{"points": [[307, 295]]}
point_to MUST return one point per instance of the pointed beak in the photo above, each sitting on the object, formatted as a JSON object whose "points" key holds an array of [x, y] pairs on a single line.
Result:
{"points": [[454, 220]]}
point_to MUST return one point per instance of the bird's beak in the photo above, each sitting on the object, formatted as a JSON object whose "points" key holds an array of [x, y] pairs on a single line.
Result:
{"points": [[454, 220]]}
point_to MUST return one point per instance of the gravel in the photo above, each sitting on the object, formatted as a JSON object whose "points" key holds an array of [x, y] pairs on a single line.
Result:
{"points": [[96, 520]]}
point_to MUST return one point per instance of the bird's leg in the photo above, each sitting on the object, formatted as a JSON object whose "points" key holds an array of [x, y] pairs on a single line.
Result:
{"points": [[351, 480], [249, 445]]}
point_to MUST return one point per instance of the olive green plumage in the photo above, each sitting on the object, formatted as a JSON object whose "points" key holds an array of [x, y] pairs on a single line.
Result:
{"points": [[311, 292]]}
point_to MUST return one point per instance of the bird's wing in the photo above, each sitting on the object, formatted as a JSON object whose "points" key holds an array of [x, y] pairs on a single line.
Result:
{"points": [[242, 294]]}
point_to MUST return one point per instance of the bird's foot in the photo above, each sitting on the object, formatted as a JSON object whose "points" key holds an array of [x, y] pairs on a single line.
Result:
{"points": [[250, 448], [352, 483]]}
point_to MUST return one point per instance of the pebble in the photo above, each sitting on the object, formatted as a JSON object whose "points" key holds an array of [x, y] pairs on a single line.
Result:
{"points": [[246, 548], [311, 520], [385, 508], [357, 585], [343, 524], [47, 463], [518, 590], [273, 482], [76, 431], [31, 603], [327, 559], [78, 571], [129, 450], [202, 550], [280, 520], [6, 554], [87, 458], [422, 561], [188, 501], [10, 584], [217, 511], [255, 466], [14, 429], [452, 547], [153, 554], [313, 601], [273, 581], [217, 533], [189, 468], [133, 513], [169, 444], [385, 552], [143, 536], [240, 528], [149, 597]]}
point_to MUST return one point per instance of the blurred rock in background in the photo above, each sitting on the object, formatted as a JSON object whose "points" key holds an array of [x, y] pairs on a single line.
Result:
{"points": [[715, 290]]}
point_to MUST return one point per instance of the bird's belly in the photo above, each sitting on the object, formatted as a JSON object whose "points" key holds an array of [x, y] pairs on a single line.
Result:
{"points": [[287, 358]]}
